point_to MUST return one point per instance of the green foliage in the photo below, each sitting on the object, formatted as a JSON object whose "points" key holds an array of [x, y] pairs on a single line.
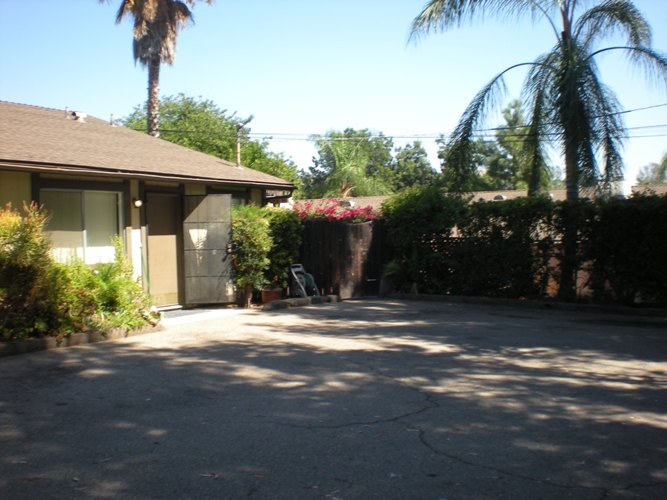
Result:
{"points": [[464, 171], [411, 168], [201, 125], [505, 248], [196, 124], [504, 162], [349, 163], [106, 295], [415, 212], [251, 239], [346, 165], [286, 231], [565, 99], [41, 297], [416, 220], [653, 173], [444, 245], [627, 245], [28, 305]]}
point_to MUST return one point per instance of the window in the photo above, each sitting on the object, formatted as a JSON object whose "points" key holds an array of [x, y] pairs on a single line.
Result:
{"points": [[83, 223]]}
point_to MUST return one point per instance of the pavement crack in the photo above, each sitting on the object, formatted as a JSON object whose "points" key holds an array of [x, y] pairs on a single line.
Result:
{"points": [[422, 436], [498, 470]]}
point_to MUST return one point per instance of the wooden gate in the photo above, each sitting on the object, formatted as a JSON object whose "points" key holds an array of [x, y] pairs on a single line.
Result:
{"points": [[345, 259]]}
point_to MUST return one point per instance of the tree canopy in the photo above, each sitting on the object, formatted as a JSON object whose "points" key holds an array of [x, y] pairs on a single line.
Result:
{"points": [[359, 163], [201, 125], [654, 173], [497, 163]]}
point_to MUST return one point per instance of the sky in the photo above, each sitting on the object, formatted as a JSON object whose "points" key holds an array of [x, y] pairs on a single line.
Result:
{"points": [[305, 67]]}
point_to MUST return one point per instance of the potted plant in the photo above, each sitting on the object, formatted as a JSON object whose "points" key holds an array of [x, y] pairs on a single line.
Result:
{"points": [[252, 242]]}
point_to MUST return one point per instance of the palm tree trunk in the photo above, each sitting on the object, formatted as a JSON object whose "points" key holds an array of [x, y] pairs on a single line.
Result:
{"points": [[153, 111], [568, 264], [569, 109]]}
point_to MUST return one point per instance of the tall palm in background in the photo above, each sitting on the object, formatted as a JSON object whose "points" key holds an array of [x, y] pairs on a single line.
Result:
{"points": [[567, 102], [349, 170], [156, 25], [348, 158]]}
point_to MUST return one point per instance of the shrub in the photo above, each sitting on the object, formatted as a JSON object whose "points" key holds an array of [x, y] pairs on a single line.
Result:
{"points": [[286, 231], [252, 242], [41, 297], [28, 279], [105, 295], [443, 244]]}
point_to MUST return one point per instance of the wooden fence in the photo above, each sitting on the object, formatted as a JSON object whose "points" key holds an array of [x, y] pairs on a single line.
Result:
{"points": [[345, 259]]}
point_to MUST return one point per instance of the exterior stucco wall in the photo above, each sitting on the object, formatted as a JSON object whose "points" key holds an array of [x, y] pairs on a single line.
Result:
{"points": [[15, 188]]}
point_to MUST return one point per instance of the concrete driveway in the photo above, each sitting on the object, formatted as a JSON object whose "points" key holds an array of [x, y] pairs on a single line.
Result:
{"points": [[355, 400]]}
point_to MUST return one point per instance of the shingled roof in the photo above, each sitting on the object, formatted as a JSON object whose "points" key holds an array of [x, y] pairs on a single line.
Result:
{"points": [[41, 139]]}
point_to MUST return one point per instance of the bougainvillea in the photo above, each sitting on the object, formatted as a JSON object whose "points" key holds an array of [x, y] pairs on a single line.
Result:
{"points": [[335, 210]]}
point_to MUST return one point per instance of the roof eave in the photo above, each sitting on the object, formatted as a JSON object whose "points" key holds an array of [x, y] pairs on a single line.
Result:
{"points": [[115, 173]]}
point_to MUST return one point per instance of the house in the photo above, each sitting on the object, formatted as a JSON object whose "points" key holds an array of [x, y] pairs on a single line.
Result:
{"points": [[170, 205]]}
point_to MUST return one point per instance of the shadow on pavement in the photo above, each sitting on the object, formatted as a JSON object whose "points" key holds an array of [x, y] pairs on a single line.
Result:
{"points": [[389, 399]]}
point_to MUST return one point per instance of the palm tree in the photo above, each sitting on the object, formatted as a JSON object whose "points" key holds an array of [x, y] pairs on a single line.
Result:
{"points": [[567, 102], [349, 158], [156, 25]]}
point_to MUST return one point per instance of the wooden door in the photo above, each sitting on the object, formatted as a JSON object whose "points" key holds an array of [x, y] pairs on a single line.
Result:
{"points": [[163, 216], [207, 227]]}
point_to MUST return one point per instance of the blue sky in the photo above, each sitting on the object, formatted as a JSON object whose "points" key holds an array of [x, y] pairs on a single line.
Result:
{"points": [[302, 67]]}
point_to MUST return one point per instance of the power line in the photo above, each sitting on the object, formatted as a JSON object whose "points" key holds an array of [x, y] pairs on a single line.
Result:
{"points": [[290, 136]]}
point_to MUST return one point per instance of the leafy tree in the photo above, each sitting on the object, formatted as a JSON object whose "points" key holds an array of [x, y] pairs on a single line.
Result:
{"points": [[460, 177], [500, 163], [566, 99], [513, 169], [196, 124], [156, 25], [201, 125], [349, 164], [412, 168], [653, 173]]}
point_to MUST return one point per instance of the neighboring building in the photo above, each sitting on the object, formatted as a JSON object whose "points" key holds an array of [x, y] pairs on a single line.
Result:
{"points": [[170, 205], [650, 189], [375, 202]]}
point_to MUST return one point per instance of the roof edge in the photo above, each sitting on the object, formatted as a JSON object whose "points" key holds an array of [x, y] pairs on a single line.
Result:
{"points": [[104, 172]]}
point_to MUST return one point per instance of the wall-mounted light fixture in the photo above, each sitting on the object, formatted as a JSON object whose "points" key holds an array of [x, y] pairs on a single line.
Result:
{"points": [[137, 203]]}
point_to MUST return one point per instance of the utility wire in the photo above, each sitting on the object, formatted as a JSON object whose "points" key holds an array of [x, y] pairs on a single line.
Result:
{"points": [[288, 136]]}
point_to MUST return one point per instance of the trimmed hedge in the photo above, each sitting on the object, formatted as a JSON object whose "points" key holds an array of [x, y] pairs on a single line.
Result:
{"points": [[443, 244]]}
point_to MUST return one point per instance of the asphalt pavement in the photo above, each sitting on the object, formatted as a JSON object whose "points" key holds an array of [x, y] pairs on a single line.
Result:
{"points": [[391, 399]]}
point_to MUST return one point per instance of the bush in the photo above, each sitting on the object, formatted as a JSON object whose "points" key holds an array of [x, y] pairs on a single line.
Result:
{"points": [[252, 242], [41, 297], [105, 295], [286, 231], [28, 279], [442, 244], [627, 246]]}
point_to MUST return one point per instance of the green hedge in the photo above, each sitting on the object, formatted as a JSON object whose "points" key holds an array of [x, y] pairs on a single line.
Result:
{"points": [[444, 244]]}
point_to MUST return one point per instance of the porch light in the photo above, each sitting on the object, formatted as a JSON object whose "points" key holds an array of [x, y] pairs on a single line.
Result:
{"points": [[137, 203]]}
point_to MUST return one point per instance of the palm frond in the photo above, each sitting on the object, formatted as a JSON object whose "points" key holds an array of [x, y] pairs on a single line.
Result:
{"points": [[609, 18], [440, 15]]}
